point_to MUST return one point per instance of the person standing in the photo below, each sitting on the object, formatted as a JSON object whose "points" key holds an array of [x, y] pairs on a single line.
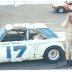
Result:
{"points": [[67, 24]]}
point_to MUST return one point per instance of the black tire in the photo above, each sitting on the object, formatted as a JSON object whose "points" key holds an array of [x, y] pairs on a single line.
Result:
{"points": [[61, 10], [56, 58]]}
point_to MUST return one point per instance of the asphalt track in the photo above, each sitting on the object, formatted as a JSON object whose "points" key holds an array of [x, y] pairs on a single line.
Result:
{"points": [[42, 13], [32, 14]]}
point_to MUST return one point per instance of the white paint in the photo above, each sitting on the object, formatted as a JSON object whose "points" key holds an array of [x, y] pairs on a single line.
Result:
{"points": [[8, 27], [61, 35], [37, 25]]}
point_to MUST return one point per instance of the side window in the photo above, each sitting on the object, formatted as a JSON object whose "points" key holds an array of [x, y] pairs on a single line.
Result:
{"points": [[32, 33], [14, 35], [35, 34]]}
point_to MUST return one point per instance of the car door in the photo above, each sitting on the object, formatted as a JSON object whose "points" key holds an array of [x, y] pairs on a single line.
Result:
{"points": [[19, 51], [35, 44], [38, 45], [14, 47], [3, 46]]}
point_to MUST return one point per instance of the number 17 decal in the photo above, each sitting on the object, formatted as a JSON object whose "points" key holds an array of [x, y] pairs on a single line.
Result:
{"points": [[16, 48]]}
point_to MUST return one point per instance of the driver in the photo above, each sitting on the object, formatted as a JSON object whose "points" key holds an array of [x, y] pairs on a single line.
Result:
{"points": [[39, 36]]}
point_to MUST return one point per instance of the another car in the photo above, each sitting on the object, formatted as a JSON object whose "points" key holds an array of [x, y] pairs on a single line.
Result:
{"points": [[17, 43], [62, 6]]}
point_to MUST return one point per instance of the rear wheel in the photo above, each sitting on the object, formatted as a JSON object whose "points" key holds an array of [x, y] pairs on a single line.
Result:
{"points": [[53, 54], [61, 10]]}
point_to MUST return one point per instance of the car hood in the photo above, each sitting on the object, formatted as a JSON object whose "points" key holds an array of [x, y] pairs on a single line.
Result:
{"points": [[61, 35]]}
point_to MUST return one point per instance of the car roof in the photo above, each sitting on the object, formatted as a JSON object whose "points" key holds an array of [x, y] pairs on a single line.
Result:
{"points": [[36, 26], [29, 25], [43, 28]]}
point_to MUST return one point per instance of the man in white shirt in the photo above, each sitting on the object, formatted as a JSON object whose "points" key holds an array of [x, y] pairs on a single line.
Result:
{"points": [[67, 24]]}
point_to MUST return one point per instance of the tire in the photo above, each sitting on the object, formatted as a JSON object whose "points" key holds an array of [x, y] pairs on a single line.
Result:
{"points": [[53, 54], [61, 10]]}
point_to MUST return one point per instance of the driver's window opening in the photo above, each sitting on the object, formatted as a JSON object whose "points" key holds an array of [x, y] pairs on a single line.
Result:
{"points": [[35, 34]]}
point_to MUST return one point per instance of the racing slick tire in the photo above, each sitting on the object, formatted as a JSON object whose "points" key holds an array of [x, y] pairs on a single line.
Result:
{"points": [[61, 10], [53, 54]]}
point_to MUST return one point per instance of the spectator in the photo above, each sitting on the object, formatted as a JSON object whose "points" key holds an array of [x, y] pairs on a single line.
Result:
{"points": [[67, 24]]}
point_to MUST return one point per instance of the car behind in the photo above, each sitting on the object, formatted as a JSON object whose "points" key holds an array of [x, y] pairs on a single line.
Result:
{"points": [[62, 6]]}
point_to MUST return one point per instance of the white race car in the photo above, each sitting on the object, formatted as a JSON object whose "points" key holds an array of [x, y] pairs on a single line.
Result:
{"points": [[17, 43]]}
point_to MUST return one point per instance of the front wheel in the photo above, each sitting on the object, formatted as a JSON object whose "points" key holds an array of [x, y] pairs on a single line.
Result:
{"points": [[53, 54]]}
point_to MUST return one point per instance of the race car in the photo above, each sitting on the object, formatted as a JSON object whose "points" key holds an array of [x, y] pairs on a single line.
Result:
{"points": [[17, 43], [62, 6]]}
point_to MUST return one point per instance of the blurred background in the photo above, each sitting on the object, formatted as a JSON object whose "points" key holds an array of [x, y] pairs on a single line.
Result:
{"points": [[30, 11]]}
